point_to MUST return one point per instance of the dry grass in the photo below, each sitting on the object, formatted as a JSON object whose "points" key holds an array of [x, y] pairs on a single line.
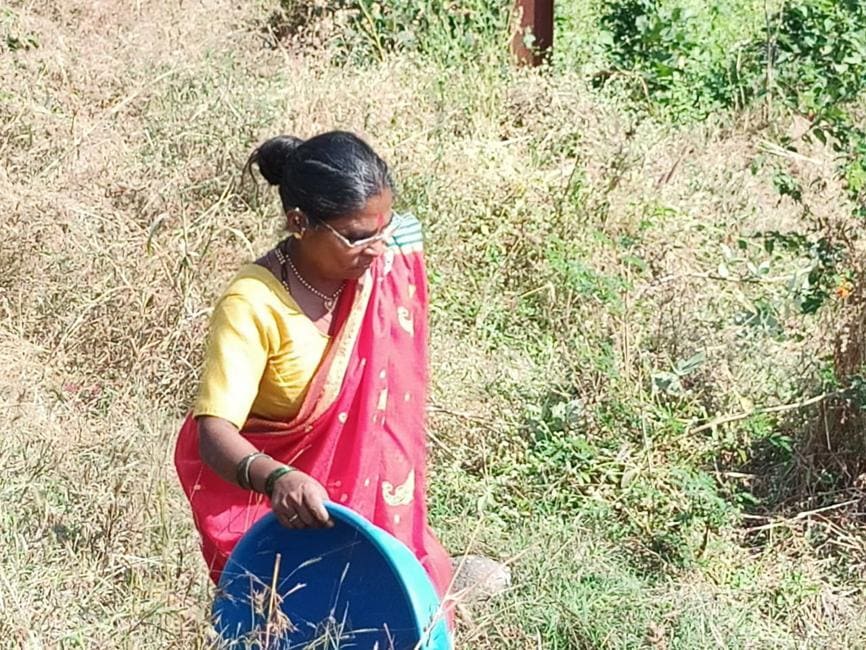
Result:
{"points": [[122, 133]]}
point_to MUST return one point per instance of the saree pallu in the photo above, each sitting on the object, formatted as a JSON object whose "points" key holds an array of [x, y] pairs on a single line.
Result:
{"points": [[361, 428]]}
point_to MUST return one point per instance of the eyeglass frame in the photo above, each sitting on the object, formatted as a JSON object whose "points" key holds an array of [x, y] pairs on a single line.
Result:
{"points": [[359, 244]]}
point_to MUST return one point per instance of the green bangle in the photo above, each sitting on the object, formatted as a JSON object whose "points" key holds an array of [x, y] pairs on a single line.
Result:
{"points": [[275, 476]]}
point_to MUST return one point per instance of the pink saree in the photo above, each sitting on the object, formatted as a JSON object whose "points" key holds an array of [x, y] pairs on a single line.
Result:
{"points": [[361, 428]]}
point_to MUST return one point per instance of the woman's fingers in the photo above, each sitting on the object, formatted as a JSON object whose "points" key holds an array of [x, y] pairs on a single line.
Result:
{"points": [[316, 505], [301, 505], [306, 518], [298, 516], [288, 519]]}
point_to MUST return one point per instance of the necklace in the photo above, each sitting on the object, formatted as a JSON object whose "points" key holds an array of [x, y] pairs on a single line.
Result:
{"points": [[329, 301]]}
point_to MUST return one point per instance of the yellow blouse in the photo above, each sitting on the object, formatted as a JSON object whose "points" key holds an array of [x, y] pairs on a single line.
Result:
{"points": [[262, 351]]}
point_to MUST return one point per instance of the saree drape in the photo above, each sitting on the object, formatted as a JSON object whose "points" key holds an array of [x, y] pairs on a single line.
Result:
{"points": [[361, 429]]}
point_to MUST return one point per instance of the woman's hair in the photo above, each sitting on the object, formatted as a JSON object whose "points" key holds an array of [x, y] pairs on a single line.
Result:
{"points": [[326, 177]]}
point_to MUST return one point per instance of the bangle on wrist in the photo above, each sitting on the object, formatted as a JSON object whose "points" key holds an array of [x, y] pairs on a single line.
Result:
{"points": [[276, 475], [242, 473]]}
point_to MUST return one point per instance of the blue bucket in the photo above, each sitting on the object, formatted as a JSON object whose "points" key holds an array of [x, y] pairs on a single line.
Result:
{"points": [[350, 586]]}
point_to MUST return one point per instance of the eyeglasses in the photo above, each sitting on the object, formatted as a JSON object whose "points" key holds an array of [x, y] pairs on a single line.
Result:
{"points": [[364, 242]]}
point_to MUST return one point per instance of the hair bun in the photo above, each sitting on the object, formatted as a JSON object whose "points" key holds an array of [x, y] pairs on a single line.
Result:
{"points": [[274, 156]]}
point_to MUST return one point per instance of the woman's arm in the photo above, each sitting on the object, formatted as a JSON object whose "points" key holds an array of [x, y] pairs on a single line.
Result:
{"points": [[297, 499]]}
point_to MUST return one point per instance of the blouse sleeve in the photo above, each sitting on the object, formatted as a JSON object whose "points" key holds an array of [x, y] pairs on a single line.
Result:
{"points": [[235, 358]]}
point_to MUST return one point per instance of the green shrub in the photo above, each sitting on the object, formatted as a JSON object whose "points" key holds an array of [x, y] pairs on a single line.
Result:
{"points": [[674, 55], [819, 55], [448, 33]]}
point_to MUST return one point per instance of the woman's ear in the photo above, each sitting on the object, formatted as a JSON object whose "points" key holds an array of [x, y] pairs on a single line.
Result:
{"points": [[296, 223]]}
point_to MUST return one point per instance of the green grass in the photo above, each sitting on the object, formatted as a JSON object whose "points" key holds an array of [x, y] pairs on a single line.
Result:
{"points": [[601, 285]]}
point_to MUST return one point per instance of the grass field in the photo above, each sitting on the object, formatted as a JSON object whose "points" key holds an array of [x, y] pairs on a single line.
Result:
{"points": [[633, 402]]}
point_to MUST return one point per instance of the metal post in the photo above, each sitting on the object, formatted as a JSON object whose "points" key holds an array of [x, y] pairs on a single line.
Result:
{"points": [[535, 18]]}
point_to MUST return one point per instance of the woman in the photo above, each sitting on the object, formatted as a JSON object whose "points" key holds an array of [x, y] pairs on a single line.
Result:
{"points": [[315, 375]]}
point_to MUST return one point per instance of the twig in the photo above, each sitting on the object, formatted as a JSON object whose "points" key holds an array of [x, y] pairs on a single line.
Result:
{"points": [[770, 45], [776, 150], [371, 30], [727, 419], [801, 515], [665, 178], [441, 444], [272, 601], [736, 475], [567, 187], [483, 422], [666, 279]]}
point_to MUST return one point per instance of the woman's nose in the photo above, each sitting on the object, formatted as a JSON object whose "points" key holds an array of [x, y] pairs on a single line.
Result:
{"points": [[375, 249]]}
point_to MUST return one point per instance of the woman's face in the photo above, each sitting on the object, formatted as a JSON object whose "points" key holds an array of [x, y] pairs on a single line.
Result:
{"points": [[330, 247]]}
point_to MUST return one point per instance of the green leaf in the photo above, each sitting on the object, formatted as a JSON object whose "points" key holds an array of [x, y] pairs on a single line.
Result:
{"points": [[685, 368]]}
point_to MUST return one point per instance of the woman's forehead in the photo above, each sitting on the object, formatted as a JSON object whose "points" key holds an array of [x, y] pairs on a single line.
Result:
{"points": [[372, 216]]}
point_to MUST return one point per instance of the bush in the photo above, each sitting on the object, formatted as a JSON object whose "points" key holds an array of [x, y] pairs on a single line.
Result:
{"points": [[360, 31], [674, 55], [811, 54]]}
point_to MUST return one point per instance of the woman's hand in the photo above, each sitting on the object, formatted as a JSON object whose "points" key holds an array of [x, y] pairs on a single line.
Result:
{"points": [[298, 500]]}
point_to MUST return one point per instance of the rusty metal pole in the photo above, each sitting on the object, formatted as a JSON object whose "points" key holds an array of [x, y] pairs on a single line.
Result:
{"points": [[535, 18]]}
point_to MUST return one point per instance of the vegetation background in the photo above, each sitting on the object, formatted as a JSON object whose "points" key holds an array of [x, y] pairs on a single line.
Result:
{"points": [[646, 264]]}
